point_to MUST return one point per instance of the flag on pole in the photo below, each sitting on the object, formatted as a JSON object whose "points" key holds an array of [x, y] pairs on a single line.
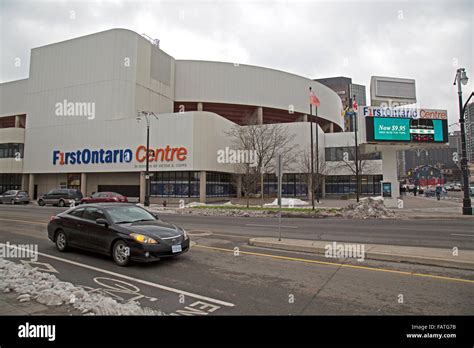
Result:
{"points": [[355, 105], [344, 111], [313, 99]]}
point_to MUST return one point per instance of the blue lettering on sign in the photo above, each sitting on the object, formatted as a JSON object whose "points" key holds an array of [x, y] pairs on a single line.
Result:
{"points": [[87, 156]]}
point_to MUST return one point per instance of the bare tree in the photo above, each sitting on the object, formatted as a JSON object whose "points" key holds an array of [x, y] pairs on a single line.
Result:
{"points": [[348, 162], [305, 167], [267, 142], [364, 163], [250, 176]]}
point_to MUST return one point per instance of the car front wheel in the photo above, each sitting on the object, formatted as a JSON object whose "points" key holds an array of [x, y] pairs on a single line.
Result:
{"points": [[61, 241], [12, 202], [41, 203], [61, 203], [121, 253]]}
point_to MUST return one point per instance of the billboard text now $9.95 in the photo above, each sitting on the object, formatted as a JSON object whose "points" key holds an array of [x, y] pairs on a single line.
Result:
{"points": [[406, 130]]}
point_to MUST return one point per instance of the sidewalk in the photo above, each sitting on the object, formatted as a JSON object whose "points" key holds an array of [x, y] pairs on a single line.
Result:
{"points": [[419, 255]]}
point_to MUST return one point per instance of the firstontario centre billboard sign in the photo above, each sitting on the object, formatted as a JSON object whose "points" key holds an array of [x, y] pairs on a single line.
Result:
{"points": [[405, 125]]}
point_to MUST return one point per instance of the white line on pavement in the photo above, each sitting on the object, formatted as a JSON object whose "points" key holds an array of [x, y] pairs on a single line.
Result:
{"points": [[145, 282], [272, 226], [461, 234]]}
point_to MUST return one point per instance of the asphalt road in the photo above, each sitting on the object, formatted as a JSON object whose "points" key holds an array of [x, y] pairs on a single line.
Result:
{"points": [[437, 233], [221, 274]]}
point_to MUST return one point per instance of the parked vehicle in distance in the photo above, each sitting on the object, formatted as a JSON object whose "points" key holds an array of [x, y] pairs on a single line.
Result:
{"points": [[104, 197], [471, 189], [61, 197], [15, 196], [124, 231], [449, 187], [457, 187]]}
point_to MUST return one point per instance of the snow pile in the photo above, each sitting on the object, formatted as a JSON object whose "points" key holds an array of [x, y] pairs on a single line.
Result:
{"points": [[286, 202], [50, 291], [368, 208], [199, 204]]}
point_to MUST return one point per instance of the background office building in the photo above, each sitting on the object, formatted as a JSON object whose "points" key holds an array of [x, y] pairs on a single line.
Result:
{"points": [[469, 127], [346, 90]]}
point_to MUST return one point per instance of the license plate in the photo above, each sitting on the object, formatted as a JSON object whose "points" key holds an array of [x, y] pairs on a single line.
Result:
{"points": [[176, 248]]}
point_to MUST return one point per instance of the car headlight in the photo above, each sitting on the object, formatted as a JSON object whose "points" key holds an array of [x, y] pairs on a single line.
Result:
{"points": [[140, 238], [185, 235]]}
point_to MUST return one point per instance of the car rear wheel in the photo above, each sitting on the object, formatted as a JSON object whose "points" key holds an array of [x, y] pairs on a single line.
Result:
{"points": [[12, 202], [41, 203], [61, 203], [121, 253], [61, 241]]}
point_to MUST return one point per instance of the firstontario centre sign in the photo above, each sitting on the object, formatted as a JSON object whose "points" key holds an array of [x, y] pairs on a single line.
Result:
{"points": [[405, 125], [401, 112], [109, 156]]}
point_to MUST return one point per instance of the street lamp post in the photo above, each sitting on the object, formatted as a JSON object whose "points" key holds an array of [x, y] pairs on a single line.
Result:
{"points": [[146, 114], [312, 155], [461, 78]]}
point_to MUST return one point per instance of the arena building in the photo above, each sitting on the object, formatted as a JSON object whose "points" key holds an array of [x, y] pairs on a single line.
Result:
{"points": [[73, 123]]}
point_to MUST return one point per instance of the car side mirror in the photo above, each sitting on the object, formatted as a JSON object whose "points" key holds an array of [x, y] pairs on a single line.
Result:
{"points": [[102, 221]]}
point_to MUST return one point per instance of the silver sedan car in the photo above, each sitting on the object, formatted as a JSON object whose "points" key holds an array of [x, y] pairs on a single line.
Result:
{"points": [[15, 196]]}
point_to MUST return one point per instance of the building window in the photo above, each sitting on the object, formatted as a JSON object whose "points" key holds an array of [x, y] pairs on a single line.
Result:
{"points": [[74, 181], [345, 184], [293, 185], [10, 182], [186, 184], [7, 122], [219, 185], [337, 154], [175, 184], [11, 150]]}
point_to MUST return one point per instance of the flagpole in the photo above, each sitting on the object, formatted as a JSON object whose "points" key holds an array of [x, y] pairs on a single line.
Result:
{"points": [[356, 151], [317, 155], [312, 155]]}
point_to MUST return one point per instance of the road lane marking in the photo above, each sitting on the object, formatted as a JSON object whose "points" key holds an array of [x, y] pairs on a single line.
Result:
{"points": [[462, 234], [273, 226], [336, 264], [26, 222], [141, 281]]}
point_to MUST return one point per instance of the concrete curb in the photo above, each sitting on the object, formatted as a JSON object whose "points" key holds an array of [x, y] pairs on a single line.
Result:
{"points": [[415, 255]]}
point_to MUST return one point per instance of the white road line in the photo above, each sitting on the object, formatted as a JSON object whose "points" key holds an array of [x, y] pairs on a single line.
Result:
{"points": [[145, 282], [273, 226], [461, 234]]}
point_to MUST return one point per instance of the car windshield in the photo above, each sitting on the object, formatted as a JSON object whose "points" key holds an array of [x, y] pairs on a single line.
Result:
{"points": [[129, 214], [9, 193]]}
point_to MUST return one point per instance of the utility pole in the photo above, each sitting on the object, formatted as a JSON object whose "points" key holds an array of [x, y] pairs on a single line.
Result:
{"points": [[146, 203]]}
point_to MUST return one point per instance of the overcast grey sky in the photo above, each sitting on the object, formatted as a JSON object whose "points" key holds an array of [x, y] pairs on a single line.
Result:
{"points": [[424, 40]]}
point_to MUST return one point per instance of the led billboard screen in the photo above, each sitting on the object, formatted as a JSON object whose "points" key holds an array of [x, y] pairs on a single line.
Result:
{"points": [[392, 129]]}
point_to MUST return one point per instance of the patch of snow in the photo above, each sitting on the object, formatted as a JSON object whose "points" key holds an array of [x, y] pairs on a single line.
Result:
{"points": [[286, 202], [368, 208], [47, 289]]}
